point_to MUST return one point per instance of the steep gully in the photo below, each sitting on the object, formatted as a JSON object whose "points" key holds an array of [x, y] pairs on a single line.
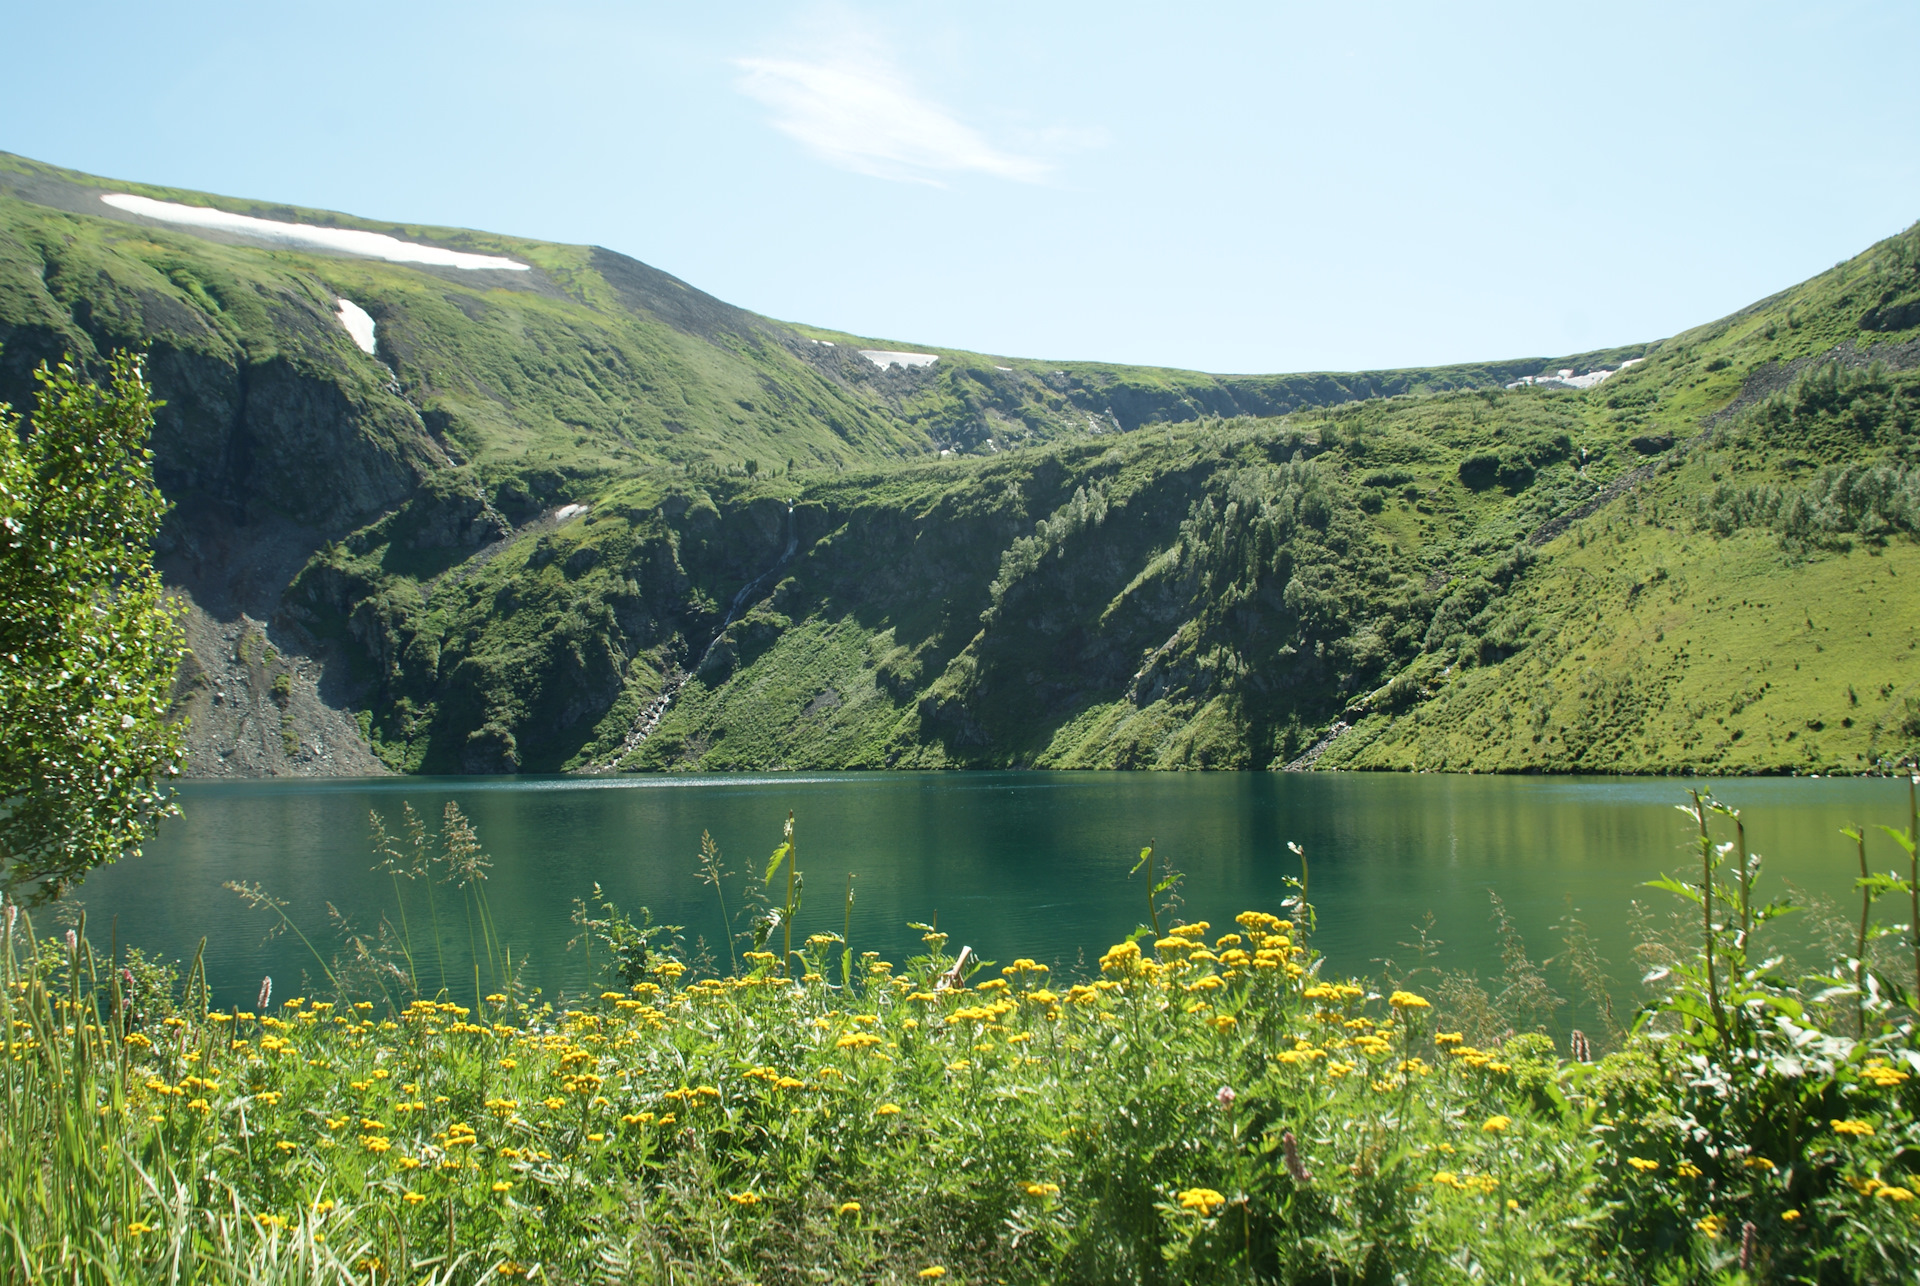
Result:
{"points": [[657, 708]]}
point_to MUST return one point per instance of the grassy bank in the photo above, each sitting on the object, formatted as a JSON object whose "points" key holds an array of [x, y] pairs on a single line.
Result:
{"points": [[1205, 1105]]}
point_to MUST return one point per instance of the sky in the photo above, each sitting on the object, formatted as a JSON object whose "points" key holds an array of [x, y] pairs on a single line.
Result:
{"points": [[1224, 187]]}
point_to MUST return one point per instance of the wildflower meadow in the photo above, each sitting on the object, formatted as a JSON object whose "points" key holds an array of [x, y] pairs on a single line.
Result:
{"points": [[1207, 1104]]}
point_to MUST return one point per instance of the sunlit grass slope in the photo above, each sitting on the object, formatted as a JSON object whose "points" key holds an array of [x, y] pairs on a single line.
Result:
{"points": [[1116, 566]]}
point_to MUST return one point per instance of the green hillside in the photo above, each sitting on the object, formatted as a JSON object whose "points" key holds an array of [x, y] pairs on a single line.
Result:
{"points": [[791, 557]]}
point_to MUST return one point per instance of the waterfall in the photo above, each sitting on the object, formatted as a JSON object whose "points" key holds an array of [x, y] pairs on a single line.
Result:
{"points": [[656, 709]]}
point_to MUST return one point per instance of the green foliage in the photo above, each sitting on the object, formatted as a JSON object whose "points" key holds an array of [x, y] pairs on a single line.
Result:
{"points": [[626, 944], [1121, 567], [89, 641], [1205, 1106]]}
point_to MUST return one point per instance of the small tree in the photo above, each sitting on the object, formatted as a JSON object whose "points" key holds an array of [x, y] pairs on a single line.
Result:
{"points": [[89, 643]]}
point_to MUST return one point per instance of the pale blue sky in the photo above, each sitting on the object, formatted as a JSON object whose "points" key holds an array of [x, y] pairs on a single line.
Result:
{"points": [[1229, 187]]}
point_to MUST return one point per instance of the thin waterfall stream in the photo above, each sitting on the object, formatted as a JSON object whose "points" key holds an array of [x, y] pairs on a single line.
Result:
{"points": [[657, 708]]}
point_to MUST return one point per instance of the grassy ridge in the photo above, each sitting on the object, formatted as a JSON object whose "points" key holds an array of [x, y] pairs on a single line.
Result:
{"points": [[1120, 567], [1443, 592]]}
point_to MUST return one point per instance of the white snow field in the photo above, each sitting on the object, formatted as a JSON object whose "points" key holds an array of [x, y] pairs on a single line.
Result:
{"points": [[1567, 379], [355, 321], [306, 236], [884, 358]]}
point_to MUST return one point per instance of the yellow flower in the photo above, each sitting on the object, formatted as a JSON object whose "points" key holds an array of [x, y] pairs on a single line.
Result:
{"points": [[1643, 1165], [1758, 1163], [887, 1109], [412, 1198], [1789, 1216], [501, 1185], [1895, 1194], [933, 1270], [1687, 1170], [847, 1208], [286, 1145], [1407, 1000], [1712, 1225], [1497, 1124], [1859, 1129], [1042, 1189], [1882, 1074], [1202, 1200], [138, 1229], [744, 1198]]}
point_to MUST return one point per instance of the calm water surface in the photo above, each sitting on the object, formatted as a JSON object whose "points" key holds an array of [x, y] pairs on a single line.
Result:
{"points": [[1030, 864]]}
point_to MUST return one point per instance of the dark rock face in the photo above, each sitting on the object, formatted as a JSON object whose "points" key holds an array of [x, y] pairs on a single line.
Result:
{"points": [[450, 511], [1651, 443], [315, 444], [274, 435]]}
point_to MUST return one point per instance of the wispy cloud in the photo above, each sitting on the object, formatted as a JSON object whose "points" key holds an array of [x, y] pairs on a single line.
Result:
{"points": [[861, 115]]}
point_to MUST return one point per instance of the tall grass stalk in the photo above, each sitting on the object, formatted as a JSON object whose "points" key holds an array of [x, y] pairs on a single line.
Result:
{"points": [[1859, 839], [1706, 912], [846, 936], [712, 872], [788, 853]]}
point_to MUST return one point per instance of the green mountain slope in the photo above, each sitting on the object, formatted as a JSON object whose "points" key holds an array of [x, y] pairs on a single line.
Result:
{"points": [[588, 516]]}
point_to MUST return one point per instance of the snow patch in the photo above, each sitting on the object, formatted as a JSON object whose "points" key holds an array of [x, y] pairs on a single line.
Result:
{"points": [[567, 513], [306, 236], [1565, 378], [355, 321], [884, 357]]}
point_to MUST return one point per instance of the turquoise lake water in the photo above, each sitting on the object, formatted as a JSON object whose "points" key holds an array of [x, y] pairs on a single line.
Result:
{"points": [[1012, 864]]}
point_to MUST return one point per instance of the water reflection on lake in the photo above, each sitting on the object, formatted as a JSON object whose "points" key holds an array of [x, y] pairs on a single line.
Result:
{"points": [[1031, 864]]}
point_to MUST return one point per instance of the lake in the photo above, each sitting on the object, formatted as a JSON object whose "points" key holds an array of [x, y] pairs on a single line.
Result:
{"points": [[1013, 864]]}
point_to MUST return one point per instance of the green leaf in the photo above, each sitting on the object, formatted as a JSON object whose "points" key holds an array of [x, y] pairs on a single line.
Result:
{"points": [[1672, 885], [1145, 853], [779, 856]]}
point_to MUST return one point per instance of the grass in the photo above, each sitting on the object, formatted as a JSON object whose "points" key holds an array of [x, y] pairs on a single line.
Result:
{"points": [[1271, 555], [1205, 1106]]}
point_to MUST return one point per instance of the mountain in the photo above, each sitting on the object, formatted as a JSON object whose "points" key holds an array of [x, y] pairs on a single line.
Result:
{"points": [[562, 510]]}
